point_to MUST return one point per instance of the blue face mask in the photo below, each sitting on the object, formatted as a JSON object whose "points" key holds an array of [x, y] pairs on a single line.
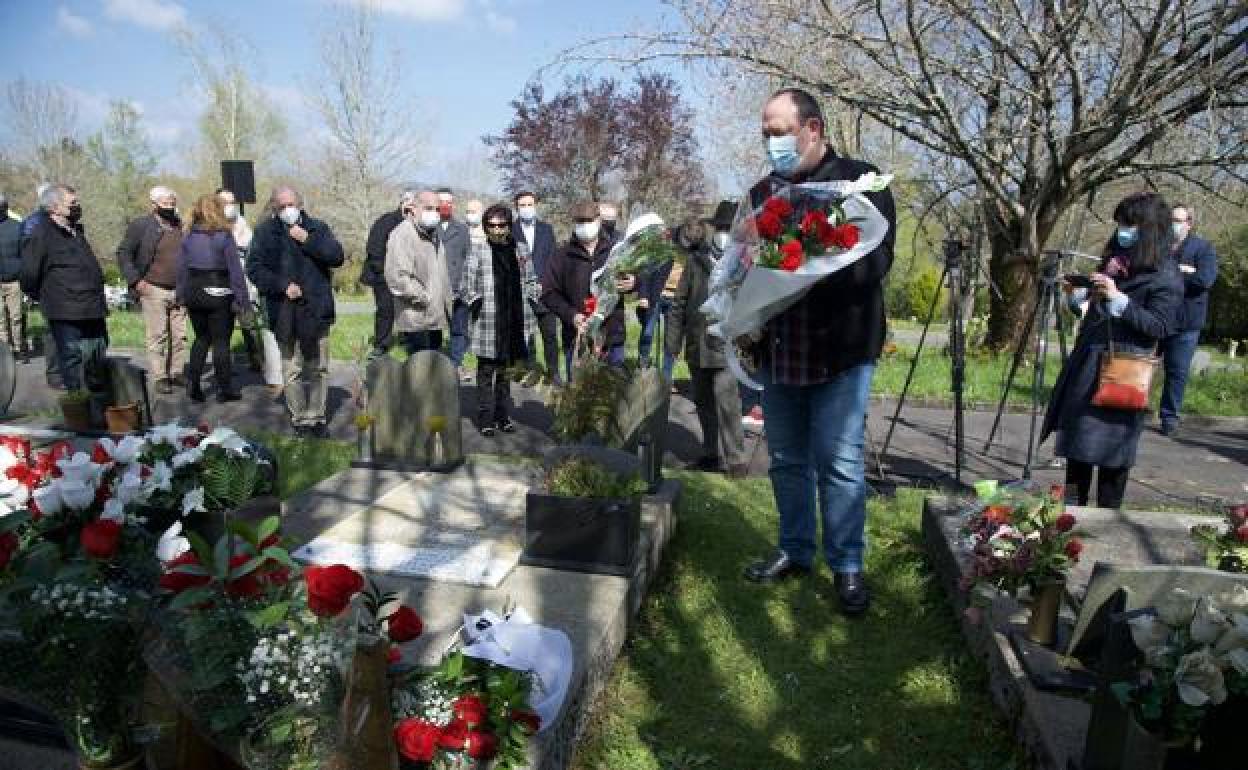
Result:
{"points": [[1127, 236], [782, 152]]}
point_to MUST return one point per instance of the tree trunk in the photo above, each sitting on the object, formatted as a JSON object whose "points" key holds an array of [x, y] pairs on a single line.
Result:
{"points": [[1013, 270]]}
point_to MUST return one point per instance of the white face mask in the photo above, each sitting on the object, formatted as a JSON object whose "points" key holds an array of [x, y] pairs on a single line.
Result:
{"points": [[473, 218], [289, 215], [721, 240], [527, 213], [231, 211], [586, 231], [429, 219]]}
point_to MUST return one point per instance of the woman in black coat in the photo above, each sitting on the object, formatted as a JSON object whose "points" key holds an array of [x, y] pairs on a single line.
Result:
{"points": [[1134, 296]]}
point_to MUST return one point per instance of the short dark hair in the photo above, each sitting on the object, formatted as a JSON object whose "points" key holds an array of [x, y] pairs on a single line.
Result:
{"points": [[807, 107], [441, 190], [1151, 214], [524, 194], [496, 211]]}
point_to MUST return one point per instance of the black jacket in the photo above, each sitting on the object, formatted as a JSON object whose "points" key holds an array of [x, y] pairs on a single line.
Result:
{"points": [[60, 271], [138, 248], [10, 249], [374, 272], [840, 322], [541, 253], [276, 260], [1192, 311], [455, 242], [566, 285]]}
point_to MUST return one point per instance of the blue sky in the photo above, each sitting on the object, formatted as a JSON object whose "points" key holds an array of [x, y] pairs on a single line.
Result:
{"points": [[465, 59]]}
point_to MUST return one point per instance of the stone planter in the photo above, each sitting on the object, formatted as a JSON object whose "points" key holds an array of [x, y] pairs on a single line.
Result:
{"points": [[124, 418], [581, 534]]}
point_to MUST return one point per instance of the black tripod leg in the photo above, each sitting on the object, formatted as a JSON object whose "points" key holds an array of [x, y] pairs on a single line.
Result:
{"points": [[914, 363], [1037, 381], [1009, 378]]}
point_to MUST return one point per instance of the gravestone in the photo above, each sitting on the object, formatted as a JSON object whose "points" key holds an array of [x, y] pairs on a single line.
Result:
{"points": [[8, 378], [415, 409], [1200, 361], [642, 421]]}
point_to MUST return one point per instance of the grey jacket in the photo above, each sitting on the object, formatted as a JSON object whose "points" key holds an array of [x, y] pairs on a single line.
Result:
{"points": [[686, 323], [455, 242], [478, 285], [417, 276]]}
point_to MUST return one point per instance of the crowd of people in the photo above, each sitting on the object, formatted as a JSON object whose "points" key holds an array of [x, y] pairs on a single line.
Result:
{"points": [[500, 284]]}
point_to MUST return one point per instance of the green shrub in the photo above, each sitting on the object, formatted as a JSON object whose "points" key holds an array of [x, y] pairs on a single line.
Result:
{"points": [[579, 477]]}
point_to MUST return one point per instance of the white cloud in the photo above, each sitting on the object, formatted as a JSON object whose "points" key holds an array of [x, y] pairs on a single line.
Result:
{"points": [[420, 10], [77, 26], [155, 14]]}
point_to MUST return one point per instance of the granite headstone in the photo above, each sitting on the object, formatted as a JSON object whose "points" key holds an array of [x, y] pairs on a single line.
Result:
{"points": [[415, 409]]}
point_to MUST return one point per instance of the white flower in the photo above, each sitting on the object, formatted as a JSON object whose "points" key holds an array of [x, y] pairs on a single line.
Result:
{"points": [[161, 478], [1148, 632], [172, 544], [1177, 608], [125, 451], [49, 500], [13, 496], [1208, 623], [78, 467], [129, 487], [75, 493], [170, 433], [193, 501], [115, 510], [188, 457], [7, 459], [227, 439], [1199, 679]]}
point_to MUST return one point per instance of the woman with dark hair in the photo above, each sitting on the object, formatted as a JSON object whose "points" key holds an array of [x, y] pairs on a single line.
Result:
{"points": [[211, 286], [497, 288], [1133, 297]]}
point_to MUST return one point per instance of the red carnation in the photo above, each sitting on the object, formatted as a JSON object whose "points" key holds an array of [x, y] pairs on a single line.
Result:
{"points": [[470, 709], [1065, 522], [528, 721], [1242, 533], [1073, 548], [769, 225], [8, 545], [100, 538], [404, 625], [845, 236], [330, 588], [454, 736], [778, 207], [416, 739], [482, 745], [791, 255], [177, 582]]}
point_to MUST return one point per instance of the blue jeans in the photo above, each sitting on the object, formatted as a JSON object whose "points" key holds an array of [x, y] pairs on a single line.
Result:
{"points": [[460, 316], [649, 324], [1176, 354], [426, 340], [815, 444], [81, 351]]}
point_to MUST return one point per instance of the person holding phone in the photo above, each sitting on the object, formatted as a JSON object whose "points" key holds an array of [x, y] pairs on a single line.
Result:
{"points": [[1133, 296]]}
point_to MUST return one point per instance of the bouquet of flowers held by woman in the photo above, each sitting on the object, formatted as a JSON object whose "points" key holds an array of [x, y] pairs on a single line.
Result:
{"points": [[787, 238], [1227, 547], [1018, 538]]}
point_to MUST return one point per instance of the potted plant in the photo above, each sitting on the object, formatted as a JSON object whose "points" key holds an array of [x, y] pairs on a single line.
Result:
{"points": [[587, 515], [1226, 549], [123, 418], [76, 410], [1020, 539], [1190, 687]]}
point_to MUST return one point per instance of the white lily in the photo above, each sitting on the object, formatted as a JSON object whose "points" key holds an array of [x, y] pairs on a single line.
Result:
{"points": [[76, 493], [172, 544], [227, 439], [193, 501], [79, 467], [114, 510], [188, 457], [170, 433], [49, 500], [129, 487], [125, 451], [161, 479]]}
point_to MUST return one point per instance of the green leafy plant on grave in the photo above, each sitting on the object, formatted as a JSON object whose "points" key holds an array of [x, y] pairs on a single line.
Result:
{"points": [[586, 410], [579, 477]]}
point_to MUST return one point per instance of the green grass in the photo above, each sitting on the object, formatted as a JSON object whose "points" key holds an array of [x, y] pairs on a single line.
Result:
{"points": [[301, 463], [721, 674]]}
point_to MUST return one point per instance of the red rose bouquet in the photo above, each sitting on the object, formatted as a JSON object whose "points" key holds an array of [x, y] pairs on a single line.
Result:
{"points": [[791, 236], [1226, 547], [1016, 539]]}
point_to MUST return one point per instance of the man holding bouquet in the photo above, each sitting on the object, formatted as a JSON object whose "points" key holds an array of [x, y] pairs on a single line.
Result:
{"points": [[815, 360]]}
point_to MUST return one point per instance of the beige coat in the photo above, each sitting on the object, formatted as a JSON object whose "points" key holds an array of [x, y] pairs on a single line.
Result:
{"points": [[417, 277]]}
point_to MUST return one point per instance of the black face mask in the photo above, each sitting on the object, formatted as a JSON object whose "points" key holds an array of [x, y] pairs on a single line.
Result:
{"points": [[75, 213], [167, 213], [498, 237]]}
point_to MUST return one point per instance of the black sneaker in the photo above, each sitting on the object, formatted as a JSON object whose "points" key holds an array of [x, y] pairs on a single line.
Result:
{"points": [[851, 590]]}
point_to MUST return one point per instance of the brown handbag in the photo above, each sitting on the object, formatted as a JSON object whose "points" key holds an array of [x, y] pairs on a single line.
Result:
{"points": [[1125, 378]]}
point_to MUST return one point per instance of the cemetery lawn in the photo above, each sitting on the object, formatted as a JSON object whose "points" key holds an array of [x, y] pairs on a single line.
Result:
{"points": [[719, 673]]}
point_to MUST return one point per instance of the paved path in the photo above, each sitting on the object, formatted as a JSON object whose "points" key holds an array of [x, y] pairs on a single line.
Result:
{"points": [[1201, 463]]}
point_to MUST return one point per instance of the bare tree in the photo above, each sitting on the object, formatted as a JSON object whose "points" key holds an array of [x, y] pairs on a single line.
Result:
{"points": [[124, 165], [44, 128], [1029, 104], [373, 132]]}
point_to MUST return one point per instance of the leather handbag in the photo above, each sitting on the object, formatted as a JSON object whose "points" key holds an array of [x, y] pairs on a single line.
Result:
{"points": [[1125, 378]]}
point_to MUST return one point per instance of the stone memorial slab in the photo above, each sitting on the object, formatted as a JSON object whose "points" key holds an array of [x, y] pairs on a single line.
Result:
{"points": [[415, 408], [8, 378]]}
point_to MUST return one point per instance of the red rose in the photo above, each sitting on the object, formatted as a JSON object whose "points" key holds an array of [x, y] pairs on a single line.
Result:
{"points": [[590, 305], [8, 545], [470, 710], [100, 538], [482, 745], [1065, 522], [416, 739], [845, 236], [330, 588], [246, 585], [1073, 548], [769, 225], [791, 256], [810, 225], [1242, 533], [404, 625], [1238, 514], [778, 206], [177, 582], [528, 721], [454, 736], [394, 655]]}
